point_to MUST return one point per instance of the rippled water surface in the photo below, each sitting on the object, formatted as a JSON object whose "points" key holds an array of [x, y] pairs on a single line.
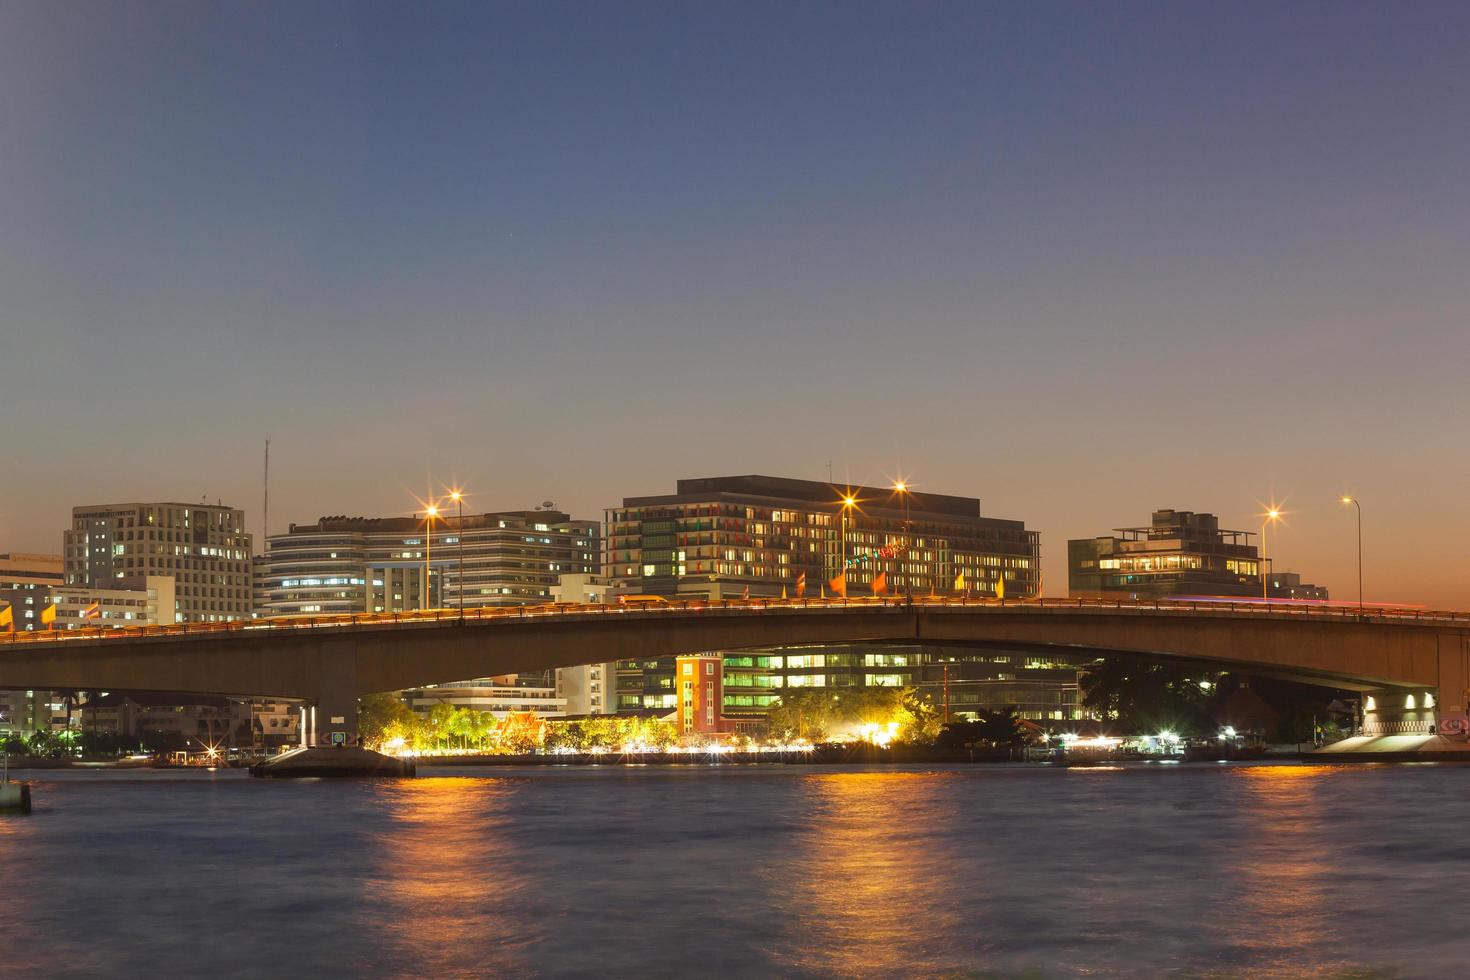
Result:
{"points": [[745, 871]]}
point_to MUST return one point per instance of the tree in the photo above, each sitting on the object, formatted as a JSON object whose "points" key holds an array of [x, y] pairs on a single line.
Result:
{"points": [[802, 715], [990, 728], [1144, 697], [440, 721], [383, 718]]}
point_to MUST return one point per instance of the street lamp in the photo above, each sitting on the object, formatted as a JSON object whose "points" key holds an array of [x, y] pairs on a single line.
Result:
{"points": [[458, 497], [1359, 506], [902, 489], [430, 512], [1271, 516], [848, 502]]}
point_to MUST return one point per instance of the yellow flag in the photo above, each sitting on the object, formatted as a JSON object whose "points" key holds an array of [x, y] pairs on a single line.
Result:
{"points": [[959, 582], [783, 591], [1000, 586], [48, 616], [7, 620]]}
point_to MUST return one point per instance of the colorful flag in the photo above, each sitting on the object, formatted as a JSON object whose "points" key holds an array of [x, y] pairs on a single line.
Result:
{"points": [[746, 593], [839, 585], [94, 611], [48, 617], [801, 585], [7, 619], [880, 583], [959, 582]]}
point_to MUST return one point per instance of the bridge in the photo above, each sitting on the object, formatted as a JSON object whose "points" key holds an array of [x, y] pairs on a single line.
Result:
{"points": [[1414, 664]]}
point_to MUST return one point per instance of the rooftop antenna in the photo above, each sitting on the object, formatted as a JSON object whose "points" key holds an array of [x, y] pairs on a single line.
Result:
{"points": [[265, 524], [829, 471]]}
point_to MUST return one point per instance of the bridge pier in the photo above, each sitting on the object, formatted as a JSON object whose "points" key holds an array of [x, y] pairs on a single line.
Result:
{"points": [[336, 702], [1399, 711]]}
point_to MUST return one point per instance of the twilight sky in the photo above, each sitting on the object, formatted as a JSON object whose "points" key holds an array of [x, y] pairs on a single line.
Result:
{"points": [[1081, 260]]}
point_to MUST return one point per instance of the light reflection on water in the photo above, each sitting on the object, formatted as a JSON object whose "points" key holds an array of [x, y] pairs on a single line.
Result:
{"points": [[744, 871]]}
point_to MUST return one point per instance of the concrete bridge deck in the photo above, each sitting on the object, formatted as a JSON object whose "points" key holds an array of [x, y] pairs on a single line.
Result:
{"points": [[333, 660]]}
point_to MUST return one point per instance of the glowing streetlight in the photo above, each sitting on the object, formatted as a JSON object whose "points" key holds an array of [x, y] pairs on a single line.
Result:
{"points": [[1359, 506], [1272, 515], [457, 496], [430, 512]]}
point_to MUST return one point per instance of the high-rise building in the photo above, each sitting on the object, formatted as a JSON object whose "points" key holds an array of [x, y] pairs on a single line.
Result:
{"points": [[361, 564], [1179, 553], [346, 565], [724, 537], [203, 547]]}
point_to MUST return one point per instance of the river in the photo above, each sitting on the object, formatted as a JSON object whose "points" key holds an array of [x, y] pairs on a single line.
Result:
{"points": [[1138, 870]]}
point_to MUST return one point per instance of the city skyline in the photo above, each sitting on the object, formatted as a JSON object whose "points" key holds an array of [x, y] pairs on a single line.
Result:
{"points": [[1076, 261]]}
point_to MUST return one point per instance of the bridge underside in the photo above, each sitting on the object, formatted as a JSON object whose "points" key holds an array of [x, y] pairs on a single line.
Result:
{"points": [[334, 665]]}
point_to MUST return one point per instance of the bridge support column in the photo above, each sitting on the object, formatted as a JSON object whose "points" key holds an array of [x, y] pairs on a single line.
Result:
{"points": [[1399, 711], [1454, 685], [336, 705]]}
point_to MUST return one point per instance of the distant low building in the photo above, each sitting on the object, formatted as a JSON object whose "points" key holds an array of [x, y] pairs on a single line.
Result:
{"points": [[499, 696], [1179, 553], [185, 720]]}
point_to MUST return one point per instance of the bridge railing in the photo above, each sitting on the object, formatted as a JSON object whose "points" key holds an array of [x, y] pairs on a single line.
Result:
{"points": [[1197, 606]]}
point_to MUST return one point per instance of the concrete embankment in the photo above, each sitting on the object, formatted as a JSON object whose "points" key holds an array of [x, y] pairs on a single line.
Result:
{"points": [[333, 762], [1393, 748]]}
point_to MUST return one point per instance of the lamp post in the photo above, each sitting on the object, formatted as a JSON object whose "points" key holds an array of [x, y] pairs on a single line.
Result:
{"points": [[1271, 516], [848, 503], [902, 489], [430, 512], [1359, 506], [458, 497]]}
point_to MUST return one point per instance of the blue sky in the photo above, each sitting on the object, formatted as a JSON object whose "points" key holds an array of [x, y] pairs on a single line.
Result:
{"points": [[1081, 260]]}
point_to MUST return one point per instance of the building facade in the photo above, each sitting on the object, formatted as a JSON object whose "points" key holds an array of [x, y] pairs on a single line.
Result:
{"points": [[1038, 687], [725, 537], [26, 584], [499, 696], [1180, 553], [203, 548], [378, 565], [139, 600], [592, 688], [343, 565], [699, 688]]}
